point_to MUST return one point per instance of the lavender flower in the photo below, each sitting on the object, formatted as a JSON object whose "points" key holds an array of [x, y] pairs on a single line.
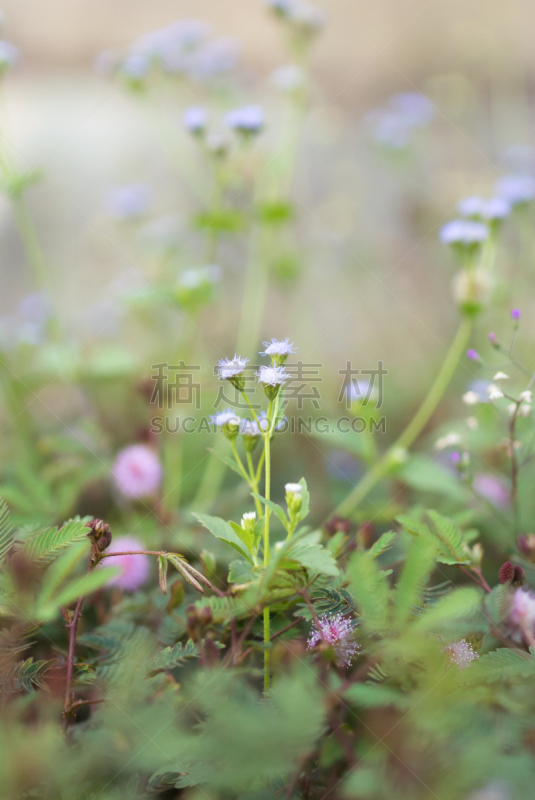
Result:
{"points": [[137, 471], [247, 120], [195, 119], [414, 107], [463, 232], [224, 417], [516, 189], [522, 615], [515, 314], [495, 209], [337, 631], [491, 489], [472, 354], [471, 207], [134, 569], [461, 653], [128, 202]]}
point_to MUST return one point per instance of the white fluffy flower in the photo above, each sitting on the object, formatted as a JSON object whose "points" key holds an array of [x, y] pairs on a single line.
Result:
{"points": [[272, 376], [461, 653], [231, 367], [501, 376], [526, 396], [278, 347], [463, 231], [250, 427], [450, 440]]}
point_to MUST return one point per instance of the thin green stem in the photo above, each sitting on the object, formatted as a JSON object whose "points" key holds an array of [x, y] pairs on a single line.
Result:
{"points": [[253, 412], [254, 484], [417, 424], [239, 462], [267, 494]]}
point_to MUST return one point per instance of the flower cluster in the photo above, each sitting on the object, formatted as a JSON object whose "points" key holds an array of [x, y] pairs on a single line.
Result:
{"points": [[461, 653], [393, 125], [137, 471], [338, 632]]}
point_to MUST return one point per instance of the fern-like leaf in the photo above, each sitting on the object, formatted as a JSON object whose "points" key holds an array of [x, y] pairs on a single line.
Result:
{"points": [[47, 544], [25, 676], [501, 665], [173, 657]]}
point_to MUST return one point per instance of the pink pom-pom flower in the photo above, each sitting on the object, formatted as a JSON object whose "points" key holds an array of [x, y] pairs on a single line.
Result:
{"points": [[337, 631], [134, 569], [137, 471], [461, 653]]}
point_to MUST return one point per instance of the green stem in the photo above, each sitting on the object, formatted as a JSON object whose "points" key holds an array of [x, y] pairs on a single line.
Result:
{"points": [[417, 424], [239, 462], [254, 484], [267, 493]]}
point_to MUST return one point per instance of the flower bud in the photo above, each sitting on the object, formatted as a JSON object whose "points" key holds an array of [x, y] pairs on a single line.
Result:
{"points": [[294, 498], [100, 534], [248, 522], [506, 573], [471, 290]]}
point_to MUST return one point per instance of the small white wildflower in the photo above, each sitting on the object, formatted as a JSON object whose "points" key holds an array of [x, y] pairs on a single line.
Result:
{"points": [[249, 427], [224, 417], [470, 398], [495, 394], [278, 347], [526, 396], [471, 207], [511, 408], [272, 376], [249, 515], [472, 423], [501, 376], [294, 488], [525, 410], [231, 367]]}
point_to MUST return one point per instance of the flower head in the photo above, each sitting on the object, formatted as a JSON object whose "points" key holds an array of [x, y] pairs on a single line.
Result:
{"points": [[224, 417], [461, 653], [463, 232], [272, 376], [137, 471], [470, 398], [522, 614], [337, 631], [278, 347], [472, 354], [515, 314], [134, 569], [231, 367], [195, 119], [246, 120]]}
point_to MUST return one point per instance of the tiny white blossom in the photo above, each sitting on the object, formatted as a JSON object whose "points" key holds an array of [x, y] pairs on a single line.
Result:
{"points": [[293, 488], [231, 367], [470, 398], [526, 396], [272, 376], [495, 394], [501, 376], [249, 516], [525, 410], [450, 440], [250, 427], [472, 423], [278, 347], [511, 408]]}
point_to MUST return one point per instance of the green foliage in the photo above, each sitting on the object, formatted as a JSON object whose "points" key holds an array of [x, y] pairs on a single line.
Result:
{"points": [[223, 531], [173, 657], [6, 531], [25, 676], [502, 665], [47, 544]]}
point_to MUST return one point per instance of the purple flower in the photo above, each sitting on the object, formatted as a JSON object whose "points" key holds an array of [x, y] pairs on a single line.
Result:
{"points": [[337, 631], [493, 339], [128, 202], [414, 107], [522, 615], [491, 489], [134, 569], [472, 354], [455, 457], [137, 471], [247, 120], [515, 314], [195, 119]]}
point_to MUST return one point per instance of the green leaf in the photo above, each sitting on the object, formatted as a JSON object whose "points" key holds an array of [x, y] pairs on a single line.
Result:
{"points": [[276, 509], [47, 544], [79, 587], [25, 676], [247, 538], [173, 657], [313, 556], [427, 476], [461, 605], [240, 571], [374, 695], [306, 501], [417, 568], [61, 569], [6, 531], [223, 531], [370, 589], [501, 665], [451, 538], [382, 544]]}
